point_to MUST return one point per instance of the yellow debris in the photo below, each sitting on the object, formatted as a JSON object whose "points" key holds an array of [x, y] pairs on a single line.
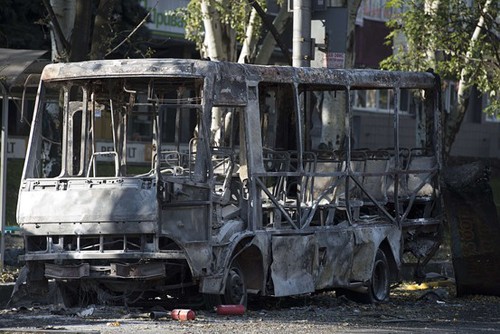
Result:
{"points": [[113, 324], [428, 285]]}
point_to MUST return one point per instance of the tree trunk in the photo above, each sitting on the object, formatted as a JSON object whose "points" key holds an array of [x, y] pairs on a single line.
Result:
{"points": [[350, 56], [219, 44], [102, 33], [80, 39], [267, 47], [62, 27], [454, 120], [248, 48], [212, 49], [213, 34]]}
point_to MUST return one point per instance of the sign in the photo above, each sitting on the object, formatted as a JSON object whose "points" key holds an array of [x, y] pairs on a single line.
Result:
{"points": [[335, 59], [164, 22], [135, 152], [16, 148]]}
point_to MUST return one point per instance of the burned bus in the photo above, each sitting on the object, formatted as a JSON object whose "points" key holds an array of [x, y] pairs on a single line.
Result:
{"points": [[236, 193]]}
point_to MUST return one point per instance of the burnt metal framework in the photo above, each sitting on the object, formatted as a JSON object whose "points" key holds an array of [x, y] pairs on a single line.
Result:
{"points": [[257, 205]]}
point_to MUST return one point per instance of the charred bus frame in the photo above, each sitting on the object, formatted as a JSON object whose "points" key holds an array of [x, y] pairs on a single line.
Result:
{"points": [[256, 205]]}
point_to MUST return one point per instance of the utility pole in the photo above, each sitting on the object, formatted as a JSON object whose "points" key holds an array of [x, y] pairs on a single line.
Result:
{"points": [[325, 21], [302, 48]]}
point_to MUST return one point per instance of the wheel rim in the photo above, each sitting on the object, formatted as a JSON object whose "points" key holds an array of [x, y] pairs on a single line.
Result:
{"points": [[380, 281], [235, 290]]}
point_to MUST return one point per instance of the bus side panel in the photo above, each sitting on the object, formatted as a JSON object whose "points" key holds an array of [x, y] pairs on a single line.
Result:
{"points": [[294, 262], [335, 256], [367, 240]]}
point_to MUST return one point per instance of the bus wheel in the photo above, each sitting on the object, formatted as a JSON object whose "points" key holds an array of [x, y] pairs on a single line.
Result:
{"points": [[236, 292], [378, 288]]}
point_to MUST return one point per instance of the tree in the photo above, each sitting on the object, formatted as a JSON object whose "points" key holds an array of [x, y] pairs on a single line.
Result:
{"points": [[217, 27], [98, 29], [459, 41], [76, 29]]}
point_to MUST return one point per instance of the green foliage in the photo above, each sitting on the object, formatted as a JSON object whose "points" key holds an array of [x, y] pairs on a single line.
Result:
{"points": [[193, 18], [233, 15], [439, 35]]}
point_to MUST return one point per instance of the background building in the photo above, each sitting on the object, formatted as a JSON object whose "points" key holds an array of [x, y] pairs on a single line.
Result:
{"points": [[479, 135]]}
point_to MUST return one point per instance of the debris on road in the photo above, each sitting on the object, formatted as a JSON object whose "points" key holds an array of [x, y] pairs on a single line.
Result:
{"points": [[230, 309], [182, 314]]}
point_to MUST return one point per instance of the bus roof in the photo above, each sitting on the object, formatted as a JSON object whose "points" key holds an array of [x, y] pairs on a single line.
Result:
{"points": [[126, 68]]}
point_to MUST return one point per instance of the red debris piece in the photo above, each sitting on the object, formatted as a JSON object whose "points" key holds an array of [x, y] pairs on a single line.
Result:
{"points": [[182, 314], [230, 309]]}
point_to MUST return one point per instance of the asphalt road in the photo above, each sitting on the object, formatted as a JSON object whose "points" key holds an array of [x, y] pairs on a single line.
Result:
{"points": [[433, 310]]}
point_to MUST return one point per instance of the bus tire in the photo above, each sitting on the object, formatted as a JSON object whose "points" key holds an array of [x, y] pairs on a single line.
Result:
{"points": [[235, 292], [378, 288]]}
